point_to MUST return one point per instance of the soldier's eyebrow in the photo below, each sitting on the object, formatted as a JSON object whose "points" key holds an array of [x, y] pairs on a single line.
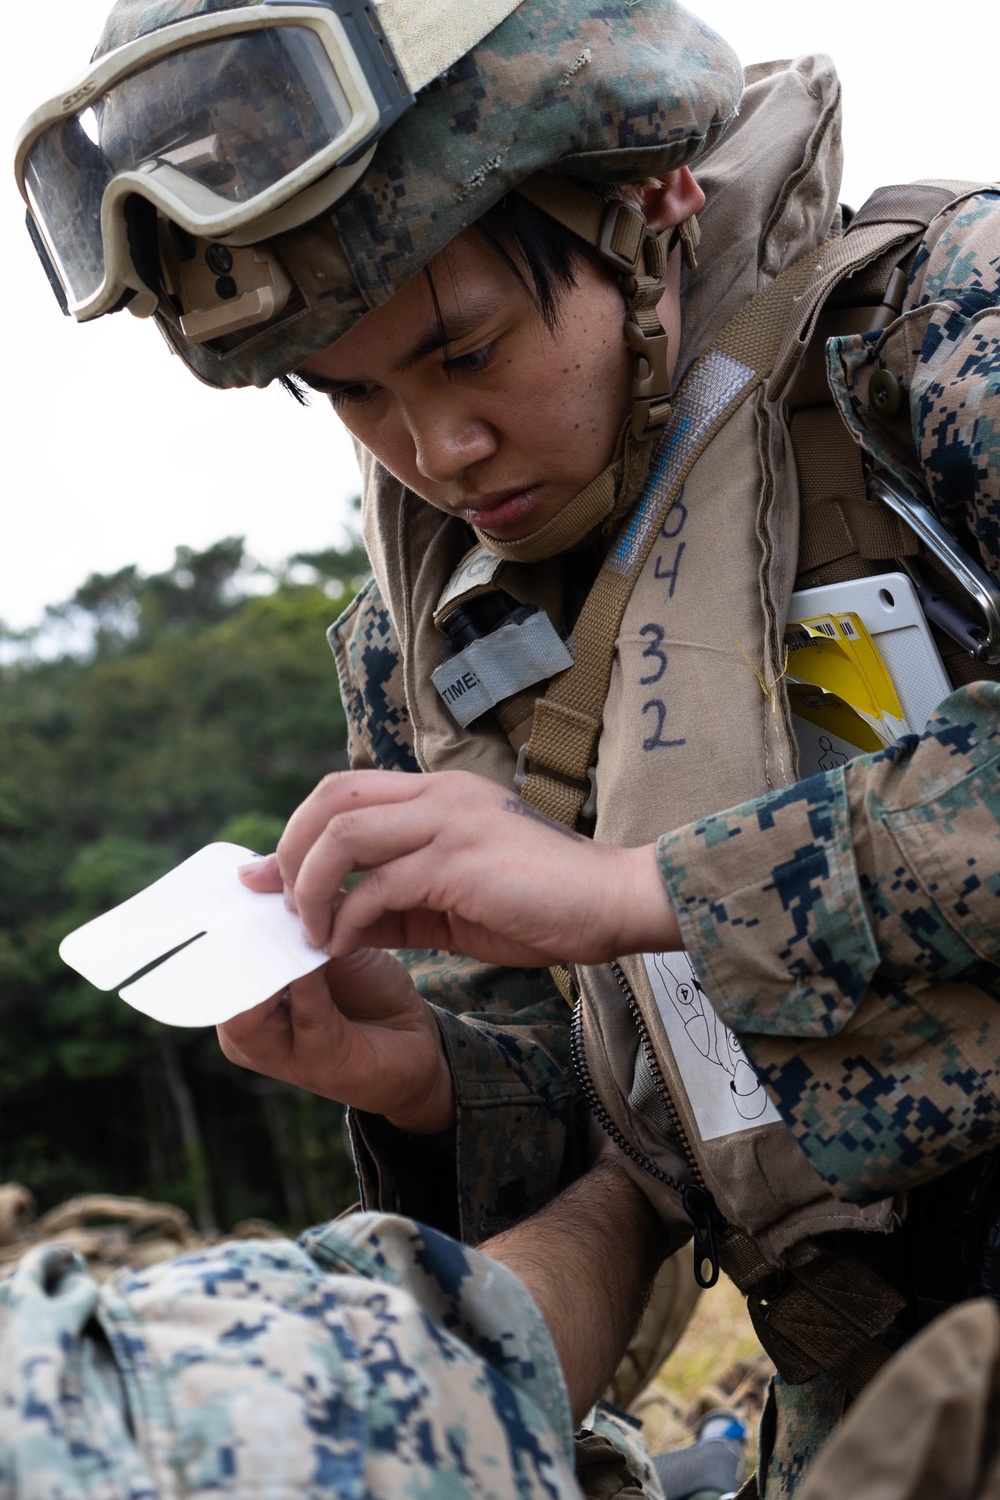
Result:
{"points": [[474, 312]]}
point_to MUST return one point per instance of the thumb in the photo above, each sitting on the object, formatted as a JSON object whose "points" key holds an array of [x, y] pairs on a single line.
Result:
{"points": [[262, 875]]}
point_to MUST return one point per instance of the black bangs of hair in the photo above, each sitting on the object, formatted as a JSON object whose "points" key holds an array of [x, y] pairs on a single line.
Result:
{"points": [[537, 251], [295, 387]]}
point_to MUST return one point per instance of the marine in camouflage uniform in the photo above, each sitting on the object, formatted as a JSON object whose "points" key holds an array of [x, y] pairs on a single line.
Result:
{"points": [[840, 923], [872, 884]]}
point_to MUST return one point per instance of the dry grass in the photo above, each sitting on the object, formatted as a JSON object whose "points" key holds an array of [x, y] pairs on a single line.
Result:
{"points": [[717, 1362]]}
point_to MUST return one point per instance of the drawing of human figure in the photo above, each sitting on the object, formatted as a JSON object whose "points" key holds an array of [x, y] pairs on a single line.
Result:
{"points": [[714, 1041], [831, 758]]}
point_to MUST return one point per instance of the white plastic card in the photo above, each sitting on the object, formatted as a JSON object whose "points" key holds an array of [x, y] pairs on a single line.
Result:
{"points": [[241, 947], [888, 607], [725, 1092]]}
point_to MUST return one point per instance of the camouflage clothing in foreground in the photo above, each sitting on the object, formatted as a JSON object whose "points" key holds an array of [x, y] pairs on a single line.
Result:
{"points": [[374, 1358]]}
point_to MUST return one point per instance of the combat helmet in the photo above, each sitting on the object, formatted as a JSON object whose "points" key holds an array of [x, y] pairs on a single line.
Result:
{"points": [[258, 174]]}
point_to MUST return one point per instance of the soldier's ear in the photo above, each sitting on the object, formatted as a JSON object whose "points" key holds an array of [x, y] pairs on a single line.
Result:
{"points": [[674, 199]]}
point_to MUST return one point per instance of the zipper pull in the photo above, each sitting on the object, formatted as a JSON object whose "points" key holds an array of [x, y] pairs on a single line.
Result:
{"points": [[698, 1207]]}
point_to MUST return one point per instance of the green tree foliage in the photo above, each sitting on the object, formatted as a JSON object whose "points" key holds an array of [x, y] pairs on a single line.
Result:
{"points": [[203, 706]]}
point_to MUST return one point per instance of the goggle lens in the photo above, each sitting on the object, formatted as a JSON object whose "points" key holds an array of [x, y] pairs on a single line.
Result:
{"points": [[235, 115]]}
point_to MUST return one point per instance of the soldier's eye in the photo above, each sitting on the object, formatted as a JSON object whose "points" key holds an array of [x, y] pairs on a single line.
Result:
{"points": [[355, 394], [471, 363]]}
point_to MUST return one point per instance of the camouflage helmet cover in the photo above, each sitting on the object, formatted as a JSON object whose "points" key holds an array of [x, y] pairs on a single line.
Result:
{"points": [[606, 90]]}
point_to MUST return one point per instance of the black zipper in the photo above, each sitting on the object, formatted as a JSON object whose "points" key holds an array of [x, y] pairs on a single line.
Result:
{"points": [[695, 1197]]}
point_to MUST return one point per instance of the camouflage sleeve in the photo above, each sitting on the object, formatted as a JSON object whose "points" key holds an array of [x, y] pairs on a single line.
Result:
{"points": [[365, 649], [944, 351], [521, 1124], [506, 1031], [848, 928], [955, 384]]}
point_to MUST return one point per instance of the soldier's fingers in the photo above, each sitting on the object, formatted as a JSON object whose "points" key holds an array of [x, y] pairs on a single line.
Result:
{"points": [[262, 875], [395, 905], [336, 794], [361, 839], [311, 1008], [264, 1028], [314, 1016], [392, 930]]}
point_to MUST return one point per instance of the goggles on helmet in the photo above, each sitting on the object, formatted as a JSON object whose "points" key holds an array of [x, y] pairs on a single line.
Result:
{"points": [[235, 125]]}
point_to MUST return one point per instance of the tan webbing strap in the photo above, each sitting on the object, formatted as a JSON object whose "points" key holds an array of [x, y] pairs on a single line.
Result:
{"points": [[915, 203], [832, 1313], [617, 230], [567, 721], [614, 225], [564, 982], [838, 521]]}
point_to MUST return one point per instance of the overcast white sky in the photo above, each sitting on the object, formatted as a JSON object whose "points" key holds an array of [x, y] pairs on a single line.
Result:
{"points": [[113, 453]]}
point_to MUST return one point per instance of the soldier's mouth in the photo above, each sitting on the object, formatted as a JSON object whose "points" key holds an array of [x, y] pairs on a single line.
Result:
{"points": [[503, 509]]}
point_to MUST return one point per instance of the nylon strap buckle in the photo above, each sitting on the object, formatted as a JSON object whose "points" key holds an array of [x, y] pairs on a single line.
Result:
{"points": [[651, 384], [621, 235], [589, 808]]}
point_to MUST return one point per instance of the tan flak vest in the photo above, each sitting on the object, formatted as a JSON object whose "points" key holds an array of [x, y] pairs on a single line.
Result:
{"points": [[691, 715]]}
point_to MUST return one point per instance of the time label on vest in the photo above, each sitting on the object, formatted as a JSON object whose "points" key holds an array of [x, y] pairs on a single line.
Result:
{"points": [[724, 1091]]}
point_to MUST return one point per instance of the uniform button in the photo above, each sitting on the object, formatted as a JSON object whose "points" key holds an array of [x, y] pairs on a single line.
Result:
{"points": [[885, 393]]}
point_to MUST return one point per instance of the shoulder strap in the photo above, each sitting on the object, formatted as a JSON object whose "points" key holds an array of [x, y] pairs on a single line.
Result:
{"points": [[916, 203]]}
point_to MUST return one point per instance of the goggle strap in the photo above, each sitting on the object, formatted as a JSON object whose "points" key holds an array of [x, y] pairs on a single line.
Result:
{"points": [[386, 76]]}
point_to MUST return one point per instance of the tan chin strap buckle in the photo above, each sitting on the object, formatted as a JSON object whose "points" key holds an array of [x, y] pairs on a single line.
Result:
{"points": [[688, 236], [651, 385]]}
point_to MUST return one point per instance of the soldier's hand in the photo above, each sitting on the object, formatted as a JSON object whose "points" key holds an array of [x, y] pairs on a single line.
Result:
{"points": [[355, 1031], [453, 861]]}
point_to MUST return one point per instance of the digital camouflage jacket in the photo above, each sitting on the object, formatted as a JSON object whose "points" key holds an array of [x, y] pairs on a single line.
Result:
{"points": [[373, 1358], [840, 907]]}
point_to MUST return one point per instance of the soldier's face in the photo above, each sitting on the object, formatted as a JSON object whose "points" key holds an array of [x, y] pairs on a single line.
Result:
{"points": [[506, 421]]}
